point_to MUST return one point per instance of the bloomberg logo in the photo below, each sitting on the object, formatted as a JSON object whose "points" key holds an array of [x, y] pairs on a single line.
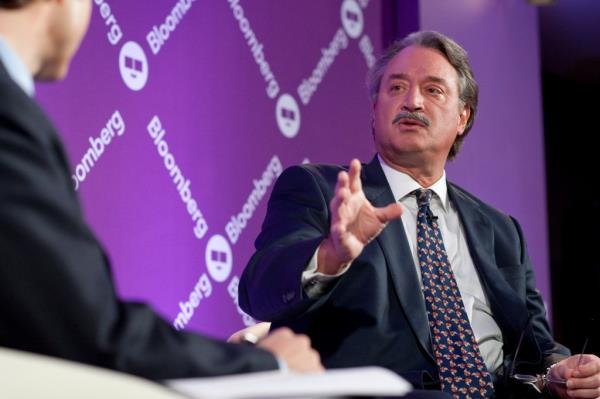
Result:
{"points": [[352, 18], [133, 66], [115, 127], [159, 35], [287, 115]]}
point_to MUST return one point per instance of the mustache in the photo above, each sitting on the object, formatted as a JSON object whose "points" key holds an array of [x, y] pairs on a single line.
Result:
{"points": [[411, 115]]}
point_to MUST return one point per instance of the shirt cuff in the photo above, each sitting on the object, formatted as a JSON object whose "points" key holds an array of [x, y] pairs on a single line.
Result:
{"points": [[314, 283], [282, 364]]}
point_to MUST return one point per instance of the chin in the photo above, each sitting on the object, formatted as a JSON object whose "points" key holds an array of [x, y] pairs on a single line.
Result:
{"points": [[52, 72]]}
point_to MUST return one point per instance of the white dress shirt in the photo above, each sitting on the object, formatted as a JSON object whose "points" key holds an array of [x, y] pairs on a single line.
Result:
{"points": [[16, 68], [485, 328]]}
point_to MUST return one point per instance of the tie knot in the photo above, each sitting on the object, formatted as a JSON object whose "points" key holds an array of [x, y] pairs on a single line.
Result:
{"points": [[423, 196]]}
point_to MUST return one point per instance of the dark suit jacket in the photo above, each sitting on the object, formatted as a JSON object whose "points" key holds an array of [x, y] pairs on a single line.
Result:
{"points": [[375, 313], [57, 296]]}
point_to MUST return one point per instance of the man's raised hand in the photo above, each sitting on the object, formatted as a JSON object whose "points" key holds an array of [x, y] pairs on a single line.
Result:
{"points": [[354, 222]]}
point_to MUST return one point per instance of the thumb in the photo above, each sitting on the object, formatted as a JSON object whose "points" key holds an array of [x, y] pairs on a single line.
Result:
{"points": [[390, 212]]}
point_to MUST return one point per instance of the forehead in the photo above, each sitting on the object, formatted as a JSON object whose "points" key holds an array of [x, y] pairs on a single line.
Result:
{"points": [[417, 62]]}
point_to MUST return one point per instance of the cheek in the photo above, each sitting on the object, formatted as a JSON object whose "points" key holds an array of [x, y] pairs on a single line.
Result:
{"points": [[79, 19], [385, 109], [380, 122], [449, 117]]}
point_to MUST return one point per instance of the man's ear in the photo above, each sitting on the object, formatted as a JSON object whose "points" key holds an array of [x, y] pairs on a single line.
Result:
{"points": [[463, 118]]}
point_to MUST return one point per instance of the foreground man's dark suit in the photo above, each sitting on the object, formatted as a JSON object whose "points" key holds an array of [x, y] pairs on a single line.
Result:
{"points": [[375, 313], [56, 292]]}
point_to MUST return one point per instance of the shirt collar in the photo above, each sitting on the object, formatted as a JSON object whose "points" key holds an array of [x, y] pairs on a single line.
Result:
{"points": [[402, 184], [16, 68]]}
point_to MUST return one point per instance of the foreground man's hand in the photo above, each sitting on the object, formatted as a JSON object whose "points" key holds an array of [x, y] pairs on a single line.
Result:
{"points": [[583, 378], [251, 334], [354, 222], [294, 349]]}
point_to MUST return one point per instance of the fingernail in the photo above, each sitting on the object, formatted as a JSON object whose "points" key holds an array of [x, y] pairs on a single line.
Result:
{"points": [[569, 384]]}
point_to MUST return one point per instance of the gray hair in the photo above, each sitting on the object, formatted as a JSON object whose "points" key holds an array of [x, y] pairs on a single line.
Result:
{"points": [[454, 54]]}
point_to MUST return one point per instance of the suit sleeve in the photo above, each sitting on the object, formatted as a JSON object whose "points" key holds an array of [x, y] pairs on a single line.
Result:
{"points": [[297, 221], [56, 292], [551, 350]]}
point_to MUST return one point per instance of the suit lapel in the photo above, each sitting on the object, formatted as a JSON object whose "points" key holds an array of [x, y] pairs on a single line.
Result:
{"points": [[394, 244], [508, 308]]}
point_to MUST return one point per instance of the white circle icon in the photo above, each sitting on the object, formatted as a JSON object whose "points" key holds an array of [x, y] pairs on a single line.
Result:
{"points": [[133, 65], [218, 258], [352, 18], [287, 114]]}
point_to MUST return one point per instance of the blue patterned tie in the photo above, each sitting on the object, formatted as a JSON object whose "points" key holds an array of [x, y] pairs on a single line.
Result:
{"points": [[463, 373]]}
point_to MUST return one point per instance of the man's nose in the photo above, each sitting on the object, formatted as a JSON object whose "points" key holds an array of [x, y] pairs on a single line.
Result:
{"points": [[413, 100]]}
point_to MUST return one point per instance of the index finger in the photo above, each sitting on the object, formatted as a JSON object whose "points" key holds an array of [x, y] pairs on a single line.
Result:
{"points": [[354, 174], [587, 369]]}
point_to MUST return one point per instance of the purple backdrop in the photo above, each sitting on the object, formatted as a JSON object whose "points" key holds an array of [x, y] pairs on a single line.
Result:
{"points": [[201, 108], [179, 115]]}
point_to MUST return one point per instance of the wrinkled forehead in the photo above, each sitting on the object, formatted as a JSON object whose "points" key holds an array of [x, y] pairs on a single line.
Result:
{"points": [[418, 64]]}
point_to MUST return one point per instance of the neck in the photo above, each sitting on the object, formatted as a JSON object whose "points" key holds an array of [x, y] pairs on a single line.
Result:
{"points": [[24, 31], [424, 173]]}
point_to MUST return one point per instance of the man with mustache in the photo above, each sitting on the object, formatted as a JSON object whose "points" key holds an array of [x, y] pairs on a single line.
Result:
{"points": [[390, 264]]}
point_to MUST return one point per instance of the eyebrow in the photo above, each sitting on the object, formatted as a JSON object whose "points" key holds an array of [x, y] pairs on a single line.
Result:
{"points": [[430, 78]]}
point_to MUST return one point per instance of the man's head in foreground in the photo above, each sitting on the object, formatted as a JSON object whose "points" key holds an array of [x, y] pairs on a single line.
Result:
{"points": [[45, 33]]}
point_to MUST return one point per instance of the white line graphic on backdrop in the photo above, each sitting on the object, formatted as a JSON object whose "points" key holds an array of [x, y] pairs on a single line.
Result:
{"points": [[182, 184], [114, 30], [353, 23], [256, 48], [366, 47], [328, 55], [238, 222], [114, 126], [201, 290], [159, 35]]}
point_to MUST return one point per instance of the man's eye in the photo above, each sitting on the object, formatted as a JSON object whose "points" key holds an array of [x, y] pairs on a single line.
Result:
{"points": [[395, 88], [435, 90]]}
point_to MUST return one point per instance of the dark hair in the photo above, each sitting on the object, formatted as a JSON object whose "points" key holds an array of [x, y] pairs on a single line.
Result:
{"points": [[454, 54], [13, 3]]}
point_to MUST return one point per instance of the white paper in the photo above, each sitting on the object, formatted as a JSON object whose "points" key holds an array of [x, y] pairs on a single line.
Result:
{"points": [[366, 381]]}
